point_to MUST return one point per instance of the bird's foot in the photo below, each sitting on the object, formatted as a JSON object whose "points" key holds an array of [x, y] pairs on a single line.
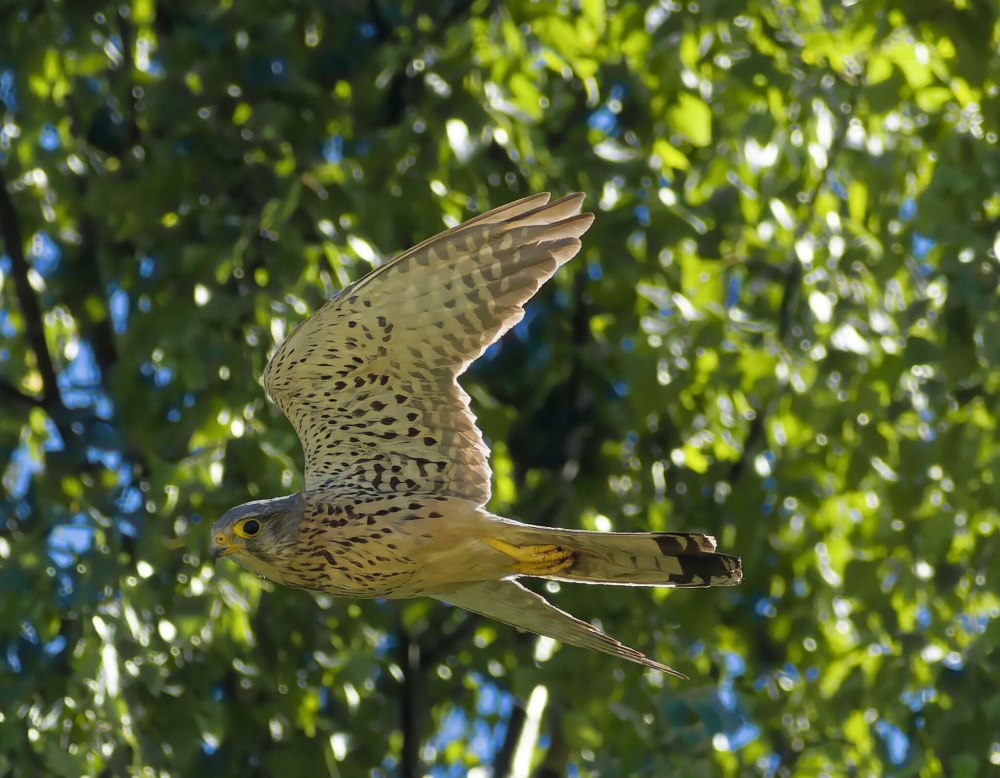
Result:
{"points": [[534, 560]]}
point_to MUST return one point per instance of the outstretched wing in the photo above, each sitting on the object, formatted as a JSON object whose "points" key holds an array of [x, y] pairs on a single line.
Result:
{"points": [[511, 603], [369, 380]]}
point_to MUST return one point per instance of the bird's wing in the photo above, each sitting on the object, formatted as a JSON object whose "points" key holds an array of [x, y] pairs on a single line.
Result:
{"points": [[369, 380], [511, 603]]}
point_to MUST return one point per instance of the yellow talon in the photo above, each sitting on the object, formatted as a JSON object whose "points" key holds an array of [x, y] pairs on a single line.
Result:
{"points": [[534, 560]]}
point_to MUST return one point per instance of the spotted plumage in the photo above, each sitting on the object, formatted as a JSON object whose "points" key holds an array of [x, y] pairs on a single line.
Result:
{"points": [[396, 472]]}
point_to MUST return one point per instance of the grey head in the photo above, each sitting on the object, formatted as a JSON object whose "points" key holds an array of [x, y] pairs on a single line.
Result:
{"points": [[261, 535]]}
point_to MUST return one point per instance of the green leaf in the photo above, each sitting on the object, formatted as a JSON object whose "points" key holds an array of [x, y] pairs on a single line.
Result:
{"points": [[692, 118]]}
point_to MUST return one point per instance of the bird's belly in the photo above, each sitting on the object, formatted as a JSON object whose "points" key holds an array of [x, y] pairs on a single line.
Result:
{"points": [[367, 551], [356, 566]]}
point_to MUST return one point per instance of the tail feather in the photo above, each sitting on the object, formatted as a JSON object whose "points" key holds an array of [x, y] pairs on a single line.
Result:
{"points": [[511, 603], [682, 559]]}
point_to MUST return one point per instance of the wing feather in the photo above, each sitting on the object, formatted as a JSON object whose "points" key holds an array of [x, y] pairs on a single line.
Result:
{"points": [[511, 603], [369, 380]]}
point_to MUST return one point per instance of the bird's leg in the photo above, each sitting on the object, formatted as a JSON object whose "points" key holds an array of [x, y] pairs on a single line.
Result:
{"points": [[534, 560]]}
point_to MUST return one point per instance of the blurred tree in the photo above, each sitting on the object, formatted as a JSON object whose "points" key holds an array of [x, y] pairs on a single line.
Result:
{"points": [[784, 329]]}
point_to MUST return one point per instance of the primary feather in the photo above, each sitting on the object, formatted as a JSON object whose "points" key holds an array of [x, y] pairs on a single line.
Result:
{"points": [[511, 603]]}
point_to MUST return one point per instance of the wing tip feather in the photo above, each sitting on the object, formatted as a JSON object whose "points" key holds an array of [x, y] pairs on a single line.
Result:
{"points": [[511, 603]]}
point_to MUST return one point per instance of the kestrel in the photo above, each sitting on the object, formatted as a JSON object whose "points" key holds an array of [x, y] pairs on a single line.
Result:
{"points": [[397, 476]]}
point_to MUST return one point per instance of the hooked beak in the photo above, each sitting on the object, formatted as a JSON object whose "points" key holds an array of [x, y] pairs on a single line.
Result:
{"points": [[220, 548]]}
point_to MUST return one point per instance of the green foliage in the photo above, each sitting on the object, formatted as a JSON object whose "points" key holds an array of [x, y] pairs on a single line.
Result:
{"points": [[783, 329]]}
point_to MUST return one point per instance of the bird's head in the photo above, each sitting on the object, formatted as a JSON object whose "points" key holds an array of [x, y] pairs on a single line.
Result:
{"points": [[259, 534]]}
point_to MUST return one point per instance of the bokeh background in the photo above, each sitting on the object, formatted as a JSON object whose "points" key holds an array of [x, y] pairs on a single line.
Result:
{"points": [[783, 329]]}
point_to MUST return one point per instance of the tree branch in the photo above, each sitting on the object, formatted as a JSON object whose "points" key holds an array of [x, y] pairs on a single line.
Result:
{"points": [[34, 327], [98, 329], [127, 35], [504, 759], [13, 393], [557, 757], [410, 704]]}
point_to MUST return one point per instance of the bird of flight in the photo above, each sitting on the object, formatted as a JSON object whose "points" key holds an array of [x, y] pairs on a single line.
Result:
{"points": [[397, 476]]}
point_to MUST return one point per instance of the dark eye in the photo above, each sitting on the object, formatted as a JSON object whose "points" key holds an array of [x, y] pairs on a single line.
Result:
{"points": [[247, 528]]}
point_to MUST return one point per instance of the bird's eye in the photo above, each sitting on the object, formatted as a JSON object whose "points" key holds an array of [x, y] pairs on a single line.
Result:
{"points": [[247, 528]]}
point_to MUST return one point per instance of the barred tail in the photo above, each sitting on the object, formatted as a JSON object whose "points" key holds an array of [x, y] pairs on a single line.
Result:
{"points": [[684, 559]]}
